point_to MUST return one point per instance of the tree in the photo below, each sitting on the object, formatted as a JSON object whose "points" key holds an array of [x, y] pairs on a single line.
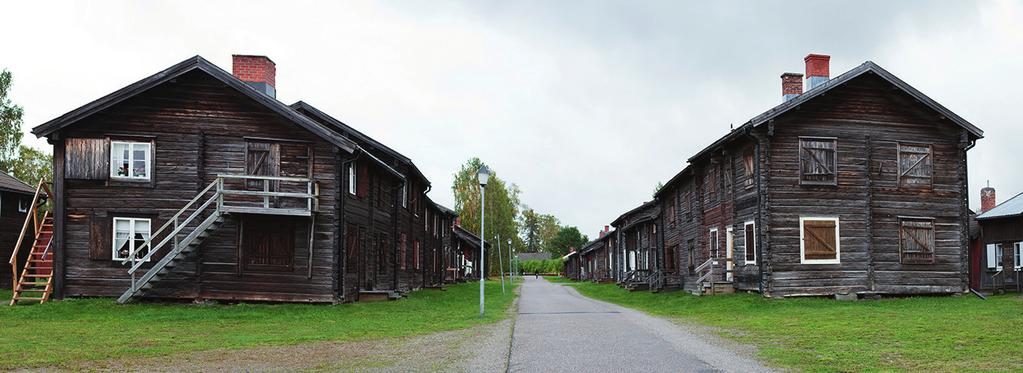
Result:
{"points": [[657, 188], [502, 205], [10, 125], [567, 237], [537, 230], [33, 165]]}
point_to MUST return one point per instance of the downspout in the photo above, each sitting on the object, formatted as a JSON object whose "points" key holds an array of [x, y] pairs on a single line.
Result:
{"points": [[397, 233], [342, 222], [758, 140]]}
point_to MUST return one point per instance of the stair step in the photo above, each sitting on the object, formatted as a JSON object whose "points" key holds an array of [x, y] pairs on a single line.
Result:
{"points": [[37, 276]]}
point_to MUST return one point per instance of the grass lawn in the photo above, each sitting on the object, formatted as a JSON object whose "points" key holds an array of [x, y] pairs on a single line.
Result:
{"points": [[910, 334], [65, 332]]}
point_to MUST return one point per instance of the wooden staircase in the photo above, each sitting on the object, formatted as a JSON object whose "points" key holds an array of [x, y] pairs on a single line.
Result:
{"points": [[36, 281], [710, 281]]}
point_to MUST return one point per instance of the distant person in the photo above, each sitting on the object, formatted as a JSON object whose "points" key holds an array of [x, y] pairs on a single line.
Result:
{"points": [[536, 274]]}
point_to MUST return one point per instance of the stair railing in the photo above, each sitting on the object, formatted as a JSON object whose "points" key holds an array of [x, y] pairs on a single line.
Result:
{"points": [[32, 217], [710, 265]]}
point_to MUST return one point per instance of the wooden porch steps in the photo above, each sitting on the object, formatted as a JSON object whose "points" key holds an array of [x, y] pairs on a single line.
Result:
{"points": [[378, 295], [36, 281]]}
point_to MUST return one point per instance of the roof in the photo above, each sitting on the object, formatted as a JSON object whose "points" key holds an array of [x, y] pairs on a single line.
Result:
{"points": [[10, 184], [468, 236], [592, 245], [639, 209], [569, 255], [867, 67], [181, 68], [445, 210], [533, 256], [338, 125], [673, 180], [1010, 208]]}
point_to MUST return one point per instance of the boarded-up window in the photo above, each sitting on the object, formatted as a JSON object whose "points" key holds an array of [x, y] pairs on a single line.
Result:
{"points": [[750, 243], [268, 244], [403, 251], [915, 165], [819, 240], [710, 185], [817, 161], [415, 254], [747, 167], [672, 203], [916, 241], [262, 159], [713, 243], [86, 159], [669, 257], [690, 255]]}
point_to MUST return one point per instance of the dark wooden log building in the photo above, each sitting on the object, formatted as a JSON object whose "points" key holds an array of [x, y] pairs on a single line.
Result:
{"points": [[595, 257], [856, 186], [197, 183], [15, 198]]}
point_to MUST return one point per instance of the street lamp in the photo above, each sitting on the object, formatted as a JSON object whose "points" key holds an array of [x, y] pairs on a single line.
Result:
{"points": [[482, 176]]}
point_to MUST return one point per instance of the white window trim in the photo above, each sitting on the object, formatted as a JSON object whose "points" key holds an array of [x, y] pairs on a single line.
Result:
{"points": [[352, 179], [749, 225], [713, 248], [404, 195], [1017, 255], [994, 260], [131, 161], [131, 236], [802, 241]]}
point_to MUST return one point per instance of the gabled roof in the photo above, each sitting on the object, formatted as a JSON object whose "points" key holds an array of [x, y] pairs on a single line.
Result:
{"points": [[468, 236], [867, 67], [338, 125], [9, 184], [647, 209], [674, 179], [188, 65], [445, 210], [592, 245], [1012, 207]]}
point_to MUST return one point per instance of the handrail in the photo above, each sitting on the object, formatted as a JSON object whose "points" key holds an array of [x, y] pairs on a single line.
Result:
{"points": [[271, 178], [30, 217], [169, 222]]}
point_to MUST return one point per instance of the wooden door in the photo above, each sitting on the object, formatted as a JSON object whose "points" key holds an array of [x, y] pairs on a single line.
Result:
{"points": [[268, 244]]}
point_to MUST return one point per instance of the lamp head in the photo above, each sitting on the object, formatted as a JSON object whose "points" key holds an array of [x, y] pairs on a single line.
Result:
{"points": [[483, 175]]}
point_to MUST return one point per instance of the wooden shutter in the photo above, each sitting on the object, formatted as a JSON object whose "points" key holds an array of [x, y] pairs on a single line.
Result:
{"points": [[86, 159], [669, 258], [917, 241], [262, 159], [747, 165], [817, 161], [362, 180], [915, 165], [100, 233], [819, 240]]}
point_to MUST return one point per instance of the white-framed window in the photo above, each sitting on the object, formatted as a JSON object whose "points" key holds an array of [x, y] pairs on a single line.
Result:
{"points": [[130, 160], [1017, 257], [713, 244], [819, 240], [129, 235], [23, 204], [404, 195], [749, 232], [994, 256], [351, 179]]}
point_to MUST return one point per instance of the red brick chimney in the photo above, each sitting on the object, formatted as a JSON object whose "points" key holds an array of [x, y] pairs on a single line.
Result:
{"points": [[791, 85], [817, 69], [987, 199], [259, 71]]}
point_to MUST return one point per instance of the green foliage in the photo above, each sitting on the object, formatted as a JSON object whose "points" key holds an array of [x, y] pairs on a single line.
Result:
{"points": [[68, 332], [542, 266], [537, 230], [926, 334], [657, 188], [33, 165], [10, 125], [502, 209], [567, 237]]}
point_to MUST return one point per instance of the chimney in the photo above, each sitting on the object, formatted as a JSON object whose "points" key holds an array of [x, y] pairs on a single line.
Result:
{"points": [[987, 198], [258, 71], [817, 69], [791, 85]]}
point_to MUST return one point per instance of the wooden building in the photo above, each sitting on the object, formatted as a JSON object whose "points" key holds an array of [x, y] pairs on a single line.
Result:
{"points": [[467, 254], [595, 257], [638, 246], [197, 183], [573, 265], [856, 185], [15, 200], [997, 263]]}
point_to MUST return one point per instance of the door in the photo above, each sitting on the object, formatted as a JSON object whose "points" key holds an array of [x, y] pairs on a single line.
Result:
{"points": [[268, 244], [729, 246]]}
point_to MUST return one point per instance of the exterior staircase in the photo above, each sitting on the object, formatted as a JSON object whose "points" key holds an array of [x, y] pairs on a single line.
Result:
{"points": [[36, 281], [712, 279]]}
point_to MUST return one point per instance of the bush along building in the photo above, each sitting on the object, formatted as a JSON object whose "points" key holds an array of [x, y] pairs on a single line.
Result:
{"points": [[197, 183], [856, 185]]}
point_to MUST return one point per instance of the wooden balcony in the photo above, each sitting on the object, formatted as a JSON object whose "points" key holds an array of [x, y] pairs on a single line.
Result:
{"points": [[267, 195]]}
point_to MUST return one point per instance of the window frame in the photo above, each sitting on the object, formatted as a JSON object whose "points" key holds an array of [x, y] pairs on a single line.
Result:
{"points": [[802, 240], [994, 254], [352, 180], [834, 161], [1017, 255], [902, 239], [748, 226], [131, 235], [24, 201], [713, 242], [131, 160], [898, 164], [749, 167]]}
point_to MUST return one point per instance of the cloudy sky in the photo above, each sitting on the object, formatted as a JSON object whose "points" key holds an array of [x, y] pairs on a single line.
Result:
{"points": [[585, 105]]}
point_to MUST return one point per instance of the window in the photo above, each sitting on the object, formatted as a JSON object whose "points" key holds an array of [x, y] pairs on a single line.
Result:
{"points": [[710, 185], [130, 160], [749, 230], [712, 243], [23, 204], [747, 166], [690, 254], [1017, 256], [129, 235], [916, 241], [671, 210], [817, 161], [404, 195], [994, 256], [352, 179], [915, 165], [262, 159], [415, 254], [403, 251], [819, 240], [669, 257]]}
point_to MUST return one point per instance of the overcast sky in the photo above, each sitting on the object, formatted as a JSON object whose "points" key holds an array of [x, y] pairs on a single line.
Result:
{"points": [[585, 105]]}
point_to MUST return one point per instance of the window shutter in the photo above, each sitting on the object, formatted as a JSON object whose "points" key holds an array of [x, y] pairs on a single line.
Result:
{"points": [[819, 240], [992, 256], [915, 165], [817, 161], [99, 238], [363, 180], [917, 242], [86, 159]]}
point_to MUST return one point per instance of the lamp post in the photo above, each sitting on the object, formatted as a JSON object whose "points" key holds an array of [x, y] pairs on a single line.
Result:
{"points": [[500, 262], [514, 261], [482, 176]]}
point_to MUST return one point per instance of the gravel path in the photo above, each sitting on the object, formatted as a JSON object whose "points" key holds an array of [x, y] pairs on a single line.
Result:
{"points": [[558, 330]]}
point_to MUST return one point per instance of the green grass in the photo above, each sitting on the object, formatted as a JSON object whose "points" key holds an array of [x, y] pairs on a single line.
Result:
{"points": [[907, 334], [66, 332]]}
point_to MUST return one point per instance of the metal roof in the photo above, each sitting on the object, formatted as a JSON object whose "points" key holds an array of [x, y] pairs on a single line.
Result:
{"points": [[1009, 208], [10, 184]]}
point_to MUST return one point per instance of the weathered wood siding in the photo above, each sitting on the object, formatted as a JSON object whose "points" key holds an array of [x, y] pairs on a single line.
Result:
{"points": [[11, 222]]}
